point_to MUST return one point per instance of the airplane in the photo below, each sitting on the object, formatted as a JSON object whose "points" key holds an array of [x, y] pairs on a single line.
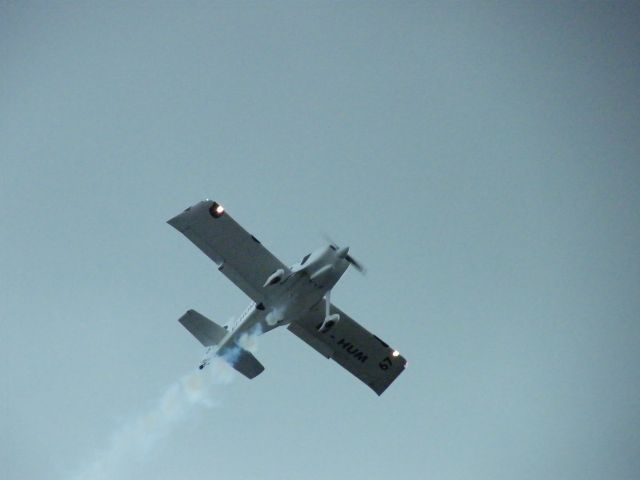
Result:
{"points": [[298, 296]]}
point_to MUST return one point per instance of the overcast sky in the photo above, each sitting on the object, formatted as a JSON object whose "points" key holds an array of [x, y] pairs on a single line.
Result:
{"points": [[481, 159]]}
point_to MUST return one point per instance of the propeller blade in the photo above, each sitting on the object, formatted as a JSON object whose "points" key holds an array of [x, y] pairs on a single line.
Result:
{"points": [[330, 241], [357, 265]]}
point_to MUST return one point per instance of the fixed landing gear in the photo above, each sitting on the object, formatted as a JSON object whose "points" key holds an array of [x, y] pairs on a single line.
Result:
{"points": [[329, 319], [326, 326]]}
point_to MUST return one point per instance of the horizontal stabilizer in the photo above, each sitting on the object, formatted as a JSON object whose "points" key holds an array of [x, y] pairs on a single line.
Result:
{"points": [[206, 331], [242, 360]]}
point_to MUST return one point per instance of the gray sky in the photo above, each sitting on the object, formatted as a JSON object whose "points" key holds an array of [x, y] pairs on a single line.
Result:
{"points": [[481, 159]]}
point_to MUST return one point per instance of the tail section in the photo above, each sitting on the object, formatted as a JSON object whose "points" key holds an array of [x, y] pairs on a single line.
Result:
{"points": [[207, 332], [211, 334]]}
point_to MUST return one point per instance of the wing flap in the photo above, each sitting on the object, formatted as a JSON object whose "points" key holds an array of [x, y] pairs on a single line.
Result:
{"points": [[311, 340], [351, 346]]}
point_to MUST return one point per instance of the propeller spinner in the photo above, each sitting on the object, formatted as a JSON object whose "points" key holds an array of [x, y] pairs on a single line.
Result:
{"points": [[356, 264]]}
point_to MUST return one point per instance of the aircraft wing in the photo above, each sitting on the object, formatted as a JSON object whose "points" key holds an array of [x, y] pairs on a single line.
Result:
{"points": [[238, 254], [352, 346]]}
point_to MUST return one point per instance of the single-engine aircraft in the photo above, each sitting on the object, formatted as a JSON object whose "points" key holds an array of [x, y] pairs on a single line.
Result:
{"points": [[298, 296]]}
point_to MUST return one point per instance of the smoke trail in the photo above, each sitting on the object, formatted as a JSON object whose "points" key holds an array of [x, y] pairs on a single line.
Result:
{"points": [[247, 341], [136, 439]]}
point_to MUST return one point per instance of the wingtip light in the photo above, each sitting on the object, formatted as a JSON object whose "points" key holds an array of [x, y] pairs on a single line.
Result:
{"points": [[216, 210]]}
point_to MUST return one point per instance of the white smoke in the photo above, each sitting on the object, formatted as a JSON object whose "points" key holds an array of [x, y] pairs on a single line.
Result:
{"points": [[134, 441], [247, 341], [274, 316]]}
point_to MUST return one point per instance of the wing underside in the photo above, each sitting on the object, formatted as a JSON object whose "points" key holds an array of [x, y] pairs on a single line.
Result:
{"points": [[352, 346], [238, 254]]}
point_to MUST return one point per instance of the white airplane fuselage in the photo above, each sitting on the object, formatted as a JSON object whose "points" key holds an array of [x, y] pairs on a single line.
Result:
{"points": [[288, 297]]}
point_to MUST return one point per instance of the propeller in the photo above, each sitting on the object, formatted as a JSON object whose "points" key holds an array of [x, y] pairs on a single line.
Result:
{"points": [[356, 264]]}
